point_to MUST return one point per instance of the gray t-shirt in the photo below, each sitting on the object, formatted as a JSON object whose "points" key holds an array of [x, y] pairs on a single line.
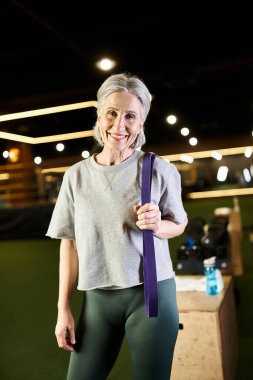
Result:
{"points": [[95, 208]]}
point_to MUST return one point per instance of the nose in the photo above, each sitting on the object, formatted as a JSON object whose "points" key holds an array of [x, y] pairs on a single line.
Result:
{"points": [[119, 123]]}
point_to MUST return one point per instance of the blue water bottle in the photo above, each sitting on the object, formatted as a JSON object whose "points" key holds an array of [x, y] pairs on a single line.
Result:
{"points": [[210, 273]]}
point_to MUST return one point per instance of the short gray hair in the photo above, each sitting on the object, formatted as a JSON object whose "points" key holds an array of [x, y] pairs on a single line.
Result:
{"points": [[124, 82]]}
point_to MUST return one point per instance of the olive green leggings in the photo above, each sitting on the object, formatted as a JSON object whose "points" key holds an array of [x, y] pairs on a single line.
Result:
{"points": [[108, 315]]}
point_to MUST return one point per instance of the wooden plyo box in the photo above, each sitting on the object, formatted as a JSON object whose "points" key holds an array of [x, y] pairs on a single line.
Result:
{"points": [[235, 234], [206, 348]]}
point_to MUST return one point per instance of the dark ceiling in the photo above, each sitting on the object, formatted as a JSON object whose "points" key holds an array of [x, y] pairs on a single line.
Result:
{"points": [[200, 69]]}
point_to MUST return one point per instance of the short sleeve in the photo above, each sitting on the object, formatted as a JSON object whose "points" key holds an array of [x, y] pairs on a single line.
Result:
{"points": [[61, 225], [171, 204]]}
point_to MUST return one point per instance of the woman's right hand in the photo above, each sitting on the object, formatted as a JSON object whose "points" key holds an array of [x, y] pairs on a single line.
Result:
{"points": [[65, 330]]}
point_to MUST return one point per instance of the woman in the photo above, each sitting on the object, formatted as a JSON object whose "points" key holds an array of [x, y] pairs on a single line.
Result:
{"points": [[99, 219]]}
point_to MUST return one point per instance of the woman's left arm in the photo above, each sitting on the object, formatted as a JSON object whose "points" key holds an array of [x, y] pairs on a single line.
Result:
{"points": [[149, 218]]}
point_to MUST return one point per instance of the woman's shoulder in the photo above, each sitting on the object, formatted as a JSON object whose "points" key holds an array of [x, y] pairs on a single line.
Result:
{"points": [[163, 165], [74, 169]]}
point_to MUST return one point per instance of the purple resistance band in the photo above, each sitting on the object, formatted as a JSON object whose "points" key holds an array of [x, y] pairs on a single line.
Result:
{"points": [[149, 264]]}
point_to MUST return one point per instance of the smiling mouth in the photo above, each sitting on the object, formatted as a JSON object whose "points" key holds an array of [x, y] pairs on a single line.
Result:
{"points": [[118, 137]]}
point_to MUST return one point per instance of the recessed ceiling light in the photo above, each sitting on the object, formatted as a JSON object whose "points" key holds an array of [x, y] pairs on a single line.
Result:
{"points": [[106, 64], [171, 119]]}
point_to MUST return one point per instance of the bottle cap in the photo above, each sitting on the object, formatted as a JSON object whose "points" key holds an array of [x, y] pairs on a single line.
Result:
{"points": [[209, 262]]}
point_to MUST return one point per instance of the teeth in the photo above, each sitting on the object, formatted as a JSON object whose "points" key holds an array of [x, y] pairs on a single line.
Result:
{"points": [[118, 136]]}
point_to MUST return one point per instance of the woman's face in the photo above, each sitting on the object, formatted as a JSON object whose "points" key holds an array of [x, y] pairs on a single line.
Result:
{"points": [[120, 120]]}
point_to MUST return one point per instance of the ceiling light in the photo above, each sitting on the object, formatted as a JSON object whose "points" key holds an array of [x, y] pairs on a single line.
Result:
{"points": [[222, 173], [185, 131], [45, 139], [4, 176], [38, 160], [14, 154], [186, 158], [47, 111], [220, 193], [216, 155], [193, 141], [206, 153], [61, 169], [248, 152], [171, 119], [247, 175], [85, 154], [106, 64], [60, 147]]}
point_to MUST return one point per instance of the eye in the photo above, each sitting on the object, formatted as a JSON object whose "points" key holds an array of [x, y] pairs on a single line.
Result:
{"points": [[130, 116], [111, 113]]}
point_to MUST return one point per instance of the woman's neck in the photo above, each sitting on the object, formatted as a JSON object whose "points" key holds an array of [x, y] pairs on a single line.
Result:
{"points": [[111, 157]]}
